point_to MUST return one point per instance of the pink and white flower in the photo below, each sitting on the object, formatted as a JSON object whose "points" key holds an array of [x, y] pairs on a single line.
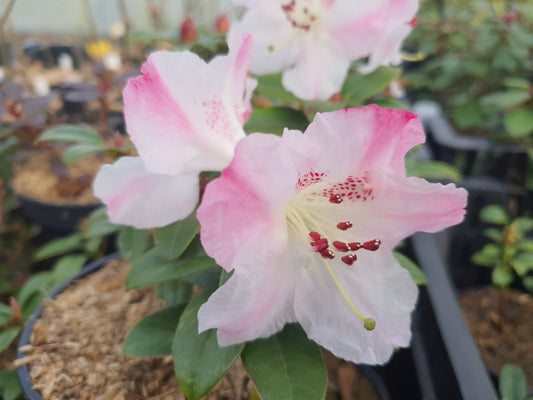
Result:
{"points": [[314, 41], [307, 222], [184, 116]]}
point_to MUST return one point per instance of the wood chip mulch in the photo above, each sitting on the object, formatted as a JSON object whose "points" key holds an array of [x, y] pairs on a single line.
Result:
{"points": [[75, 351], [502, 326]]}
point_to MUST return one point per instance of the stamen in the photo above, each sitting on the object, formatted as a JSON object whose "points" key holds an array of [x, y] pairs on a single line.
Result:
{"points": [[368, 323], [315, 236], [320, 244], [372, 245], [355, 245], [344, 225], [341, 246], [349, 259], [335, 198], [327, 253]]}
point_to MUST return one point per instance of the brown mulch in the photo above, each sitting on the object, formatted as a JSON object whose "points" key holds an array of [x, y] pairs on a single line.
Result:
{"points": [[75, 351], [502, 330], [41, 178], [76, 346]]}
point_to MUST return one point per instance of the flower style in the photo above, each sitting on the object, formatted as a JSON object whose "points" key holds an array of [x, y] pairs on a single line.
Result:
{"points": [[307, 222], [184, 116], [314, 41]]}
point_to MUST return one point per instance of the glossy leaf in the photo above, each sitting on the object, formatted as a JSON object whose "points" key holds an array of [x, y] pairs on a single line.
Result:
{"points": [[152, 269], [358, 87], [132, 242], [270, 87], [502, 277], [286, 366], [173, 239], [519, 123], [66, 267], [494, 234], [494, 214], [506, 99], [523, 263], [5, 314], [512, 383], [59, 246], [174, 292], [7, 336], [432, 169], [488, 256], [414, 270], [153, 335], [74, 153], [10, 388], [275, 120], [199, 362], [72, 133]]}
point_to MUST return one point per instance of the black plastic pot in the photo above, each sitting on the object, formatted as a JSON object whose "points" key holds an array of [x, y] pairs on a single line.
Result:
{"points": [[23, 372], [63, 218], [447, 359], [475, 156]]}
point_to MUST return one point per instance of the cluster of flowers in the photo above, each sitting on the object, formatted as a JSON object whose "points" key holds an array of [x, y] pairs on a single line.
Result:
{"points": [[306, 221]]}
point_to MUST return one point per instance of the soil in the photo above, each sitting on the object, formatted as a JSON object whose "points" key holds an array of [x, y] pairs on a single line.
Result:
{"points": [[78, 354], [503, 334], [42, 176]]}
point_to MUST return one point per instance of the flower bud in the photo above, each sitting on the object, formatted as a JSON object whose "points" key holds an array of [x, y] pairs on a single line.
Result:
{"points": [[188, 31], [222, 24]]}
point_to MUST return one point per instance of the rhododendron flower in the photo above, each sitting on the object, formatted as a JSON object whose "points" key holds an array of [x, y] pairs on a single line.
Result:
{"points": [[184, 116], [314, 41], [307, 222]]}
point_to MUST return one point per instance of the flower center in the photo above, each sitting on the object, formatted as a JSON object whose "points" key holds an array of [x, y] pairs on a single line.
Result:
{"points": [[315, 214], [302, 14]]}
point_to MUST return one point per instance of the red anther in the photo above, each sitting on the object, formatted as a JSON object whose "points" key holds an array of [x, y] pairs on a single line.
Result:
{"points": [[222, 24], [341, 246], [372, 245], [413, 23], [335, 198], [344, 225], [349, 259], [320, 244], [315, 236], [327, 253], [188, 31], [336, 98], [355, 245]]}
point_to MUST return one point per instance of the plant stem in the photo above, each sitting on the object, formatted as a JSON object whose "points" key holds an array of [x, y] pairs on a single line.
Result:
{"points": [[4, 57]]}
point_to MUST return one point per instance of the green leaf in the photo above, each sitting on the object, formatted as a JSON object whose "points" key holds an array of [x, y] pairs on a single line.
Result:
{"points": [[9, 385], [72, 133], [270, 86], [59, 246], [275, 119], [494, 234], [74, 153], [506, 99], [516, 82], [173, 239], [174, 292], [7, 336], [132, 242], [512, 383], [528, 283], [152, 269], [358, 87], [525, 245], [152, 336], [414, 270], [467, 115], [523, 224], [502, 277], [66, 267], [99, 224], [432, 169], [523, 263], [199, 362], [286, 366], [519, 123], [5, 314], [488, 256], [34, 291], [494, 214]]}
